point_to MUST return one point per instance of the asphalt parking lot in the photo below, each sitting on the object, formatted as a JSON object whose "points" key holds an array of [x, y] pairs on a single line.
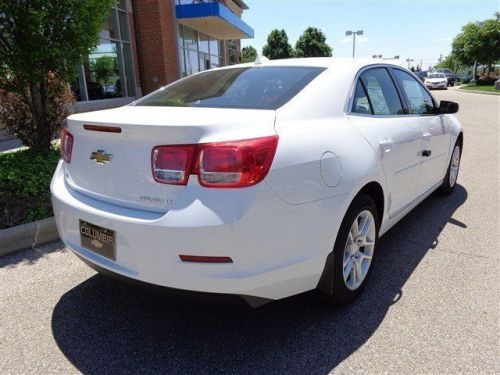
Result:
{"points": [[432, 305]]}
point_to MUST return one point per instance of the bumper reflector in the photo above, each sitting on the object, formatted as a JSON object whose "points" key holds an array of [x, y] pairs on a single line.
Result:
{"points": [[205, 259]]}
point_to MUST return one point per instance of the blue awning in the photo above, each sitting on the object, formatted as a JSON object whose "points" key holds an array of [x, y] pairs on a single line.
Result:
{"points": [[214, 19]]}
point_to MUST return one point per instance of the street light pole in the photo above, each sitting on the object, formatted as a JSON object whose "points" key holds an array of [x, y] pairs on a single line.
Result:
{"points": [[354, 33]]}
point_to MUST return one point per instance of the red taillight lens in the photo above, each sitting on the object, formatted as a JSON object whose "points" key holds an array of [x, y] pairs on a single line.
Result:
{"points": [[235, 164], [66, 145], [223, 164], [172, 164]]}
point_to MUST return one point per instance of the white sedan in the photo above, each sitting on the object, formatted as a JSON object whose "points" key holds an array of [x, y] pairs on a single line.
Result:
{"points": [[260, 180], [436, 81]]}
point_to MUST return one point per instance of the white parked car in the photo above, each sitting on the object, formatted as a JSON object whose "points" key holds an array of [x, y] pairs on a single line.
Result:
{"points": [[436, 81], [260, 180]]}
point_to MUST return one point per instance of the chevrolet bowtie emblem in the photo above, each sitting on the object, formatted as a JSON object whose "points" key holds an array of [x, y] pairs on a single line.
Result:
{"points": [[101, 157]]}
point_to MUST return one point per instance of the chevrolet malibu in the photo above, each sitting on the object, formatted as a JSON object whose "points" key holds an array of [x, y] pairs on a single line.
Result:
{"points": [[260, 180]]}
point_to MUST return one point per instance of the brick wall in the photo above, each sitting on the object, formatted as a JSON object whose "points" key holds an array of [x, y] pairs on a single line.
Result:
{"points": [[156, 37]]}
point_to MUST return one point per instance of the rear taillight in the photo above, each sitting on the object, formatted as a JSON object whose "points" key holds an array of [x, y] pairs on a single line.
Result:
{"points": [[172, 164], [224, 164], [235, 164], [66, 145]]}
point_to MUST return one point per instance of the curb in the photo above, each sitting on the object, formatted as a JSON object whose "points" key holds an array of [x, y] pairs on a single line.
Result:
{"points": [[479, 92], [28, 236]]}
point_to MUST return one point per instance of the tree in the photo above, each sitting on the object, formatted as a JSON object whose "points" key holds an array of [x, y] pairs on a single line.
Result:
{"points": [[479, 41], [277, 46], [42, 42], [449, 62], [312, 43], [248, 54]]}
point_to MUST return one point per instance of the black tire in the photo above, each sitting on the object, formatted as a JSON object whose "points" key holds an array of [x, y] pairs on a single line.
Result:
{"points": [[447, 187], [332, 282]]}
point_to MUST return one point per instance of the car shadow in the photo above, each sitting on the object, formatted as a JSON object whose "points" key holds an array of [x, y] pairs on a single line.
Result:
{"points": [[104, 326]]}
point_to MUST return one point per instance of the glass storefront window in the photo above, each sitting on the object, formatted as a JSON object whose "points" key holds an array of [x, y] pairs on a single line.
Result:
{"points": [[232, 56], [109, 69], [214, 47], [204, 61], [198, 51], [190, 38], [101, 72], [129, 69], [108, 30], [203, 43], [124, 26], [192, 63], [182, 62], [122, 4]]}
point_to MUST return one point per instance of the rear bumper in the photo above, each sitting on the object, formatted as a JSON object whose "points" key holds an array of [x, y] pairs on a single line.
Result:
{"points": [[277, 249]]}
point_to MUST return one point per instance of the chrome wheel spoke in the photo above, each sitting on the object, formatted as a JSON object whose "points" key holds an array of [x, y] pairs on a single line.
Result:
{"points": [[355, 229], [364, 256], [359, 272], [368, 242], [348, 267], [365, 226]]}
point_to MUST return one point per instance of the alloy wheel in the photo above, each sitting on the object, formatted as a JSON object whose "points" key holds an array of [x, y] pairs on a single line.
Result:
{"points": [[358, 250], [454, 165]]}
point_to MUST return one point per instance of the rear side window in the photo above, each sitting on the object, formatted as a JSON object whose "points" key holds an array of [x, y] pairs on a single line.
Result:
{"points": [[420, 101], [246, 88], [381, 92], [361, 103]]}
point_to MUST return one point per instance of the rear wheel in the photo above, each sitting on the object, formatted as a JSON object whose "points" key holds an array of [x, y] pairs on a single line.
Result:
{"points": [[353, 252], [450, 180]]}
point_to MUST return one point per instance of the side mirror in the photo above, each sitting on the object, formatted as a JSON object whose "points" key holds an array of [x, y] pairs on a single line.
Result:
{"points": [[447, 107]]}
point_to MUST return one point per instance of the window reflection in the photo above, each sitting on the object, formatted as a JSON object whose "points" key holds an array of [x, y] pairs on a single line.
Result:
{"points": [[108, 71], [101, 72], [198, 51]]}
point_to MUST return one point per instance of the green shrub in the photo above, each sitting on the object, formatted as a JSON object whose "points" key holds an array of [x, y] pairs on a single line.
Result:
{"points": [[25, 186]]}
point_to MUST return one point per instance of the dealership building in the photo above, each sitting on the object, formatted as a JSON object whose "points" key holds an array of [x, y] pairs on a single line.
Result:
{"points": [[146, 44]]}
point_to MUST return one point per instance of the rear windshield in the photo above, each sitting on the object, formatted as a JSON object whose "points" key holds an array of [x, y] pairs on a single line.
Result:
{"points": [[246, 88]]}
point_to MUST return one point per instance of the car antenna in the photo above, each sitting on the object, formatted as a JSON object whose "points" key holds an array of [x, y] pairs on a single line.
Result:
{"points": [[260, 59]]}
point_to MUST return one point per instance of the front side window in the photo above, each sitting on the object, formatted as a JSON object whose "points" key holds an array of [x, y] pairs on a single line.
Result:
{"points": [[381, 91], [246, 88], [419, 99]]}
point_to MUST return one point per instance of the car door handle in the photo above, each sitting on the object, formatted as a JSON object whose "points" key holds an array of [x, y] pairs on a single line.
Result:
{"points": [[427, 136], [386, 144], [426, 153]]}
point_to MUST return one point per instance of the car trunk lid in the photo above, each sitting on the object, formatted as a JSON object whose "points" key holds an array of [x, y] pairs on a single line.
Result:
{"points": [[115, 166]]}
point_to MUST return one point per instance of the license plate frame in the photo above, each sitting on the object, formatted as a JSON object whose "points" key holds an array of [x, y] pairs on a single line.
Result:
{"points": [[98, 239]]}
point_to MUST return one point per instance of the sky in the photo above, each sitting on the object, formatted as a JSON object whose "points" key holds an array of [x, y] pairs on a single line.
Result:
{"points": [[418, 30]]}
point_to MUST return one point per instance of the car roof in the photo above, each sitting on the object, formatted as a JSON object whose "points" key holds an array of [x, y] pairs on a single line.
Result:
{"points": [[339, 63]]}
